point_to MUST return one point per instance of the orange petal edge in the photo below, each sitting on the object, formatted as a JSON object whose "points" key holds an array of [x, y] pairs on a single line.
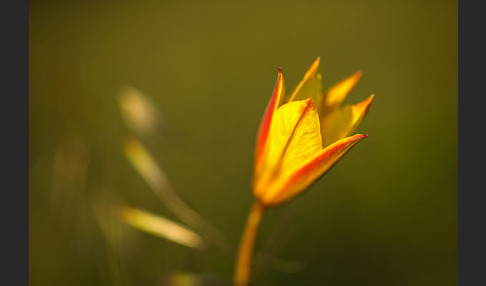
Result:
{"points": [[272, 106]]}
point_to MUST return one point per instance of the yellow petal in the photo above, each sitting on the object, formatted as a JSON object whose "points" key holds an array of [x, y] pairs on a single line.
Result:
{"points": [[334, 96], [310, 86], [343, 121], [294, 184], [293, 140], [305, 142], [267, 119]]}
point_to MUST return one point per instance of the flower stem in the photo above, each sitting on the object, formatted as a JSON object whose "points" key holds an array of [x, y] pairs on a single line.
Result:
{"points": [[245, 251]]}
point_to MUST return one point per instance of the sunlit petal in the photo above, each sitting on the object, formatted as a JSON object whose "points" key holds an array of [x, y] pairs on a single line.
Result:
{"points": [[335, 96], [272, 106], [298, 143], [306, 174], [343, 121], [310, 86], [294, 138]]}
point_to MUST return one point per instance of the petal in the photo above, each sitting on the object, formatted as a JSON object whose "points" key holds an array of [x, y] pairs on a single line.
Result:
{"points": [[294, 139], [335, 96], [305, 142], [272, 106], [343, 121], [295, 135], [310, 86], [307, 173]]}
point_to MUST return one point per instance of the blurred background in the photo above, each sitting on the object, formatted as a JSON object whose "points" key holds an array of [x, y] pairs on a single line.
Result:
{"points": [[119, 90]]}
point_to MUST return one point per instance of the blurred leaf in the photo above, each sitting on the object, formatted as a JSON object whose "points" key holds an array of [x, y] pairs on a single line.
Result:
{"points": [[142, 160], [138, 112], [160, 226]]}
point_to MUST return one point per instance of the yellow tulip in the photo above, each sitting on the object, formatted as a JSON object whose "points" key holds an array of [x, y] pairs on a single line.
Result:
{"points": [[302, 136]]}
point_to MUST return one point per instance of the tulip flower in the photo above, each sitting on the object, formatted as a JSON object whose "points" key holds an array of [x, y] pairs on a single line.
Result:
{"points": [[300, 138]]}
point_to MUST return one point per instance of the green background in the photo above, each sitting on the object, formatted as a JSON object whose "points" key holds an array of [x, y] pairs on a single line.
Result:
{"points": [[386, 214]]}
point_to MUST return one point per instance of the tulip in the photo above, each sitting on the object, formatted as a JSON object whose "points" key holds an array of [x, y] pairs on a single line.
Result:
{"points": [[300, 138]]}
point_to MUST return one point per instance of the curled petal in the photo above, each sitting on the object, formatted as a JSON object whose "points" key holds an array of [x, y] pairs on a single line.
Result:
{"points": [[305, 175]]}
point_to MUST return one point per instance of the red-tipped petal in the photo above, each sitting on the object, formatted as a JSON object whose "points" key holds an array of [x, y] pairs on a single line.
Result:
{"points": [[311, 171], [272, 106]]}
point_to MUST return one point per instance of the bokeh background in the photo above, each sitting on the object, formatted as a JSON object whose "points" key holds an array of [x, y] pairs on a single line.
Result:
{"points": [[384, 215]]}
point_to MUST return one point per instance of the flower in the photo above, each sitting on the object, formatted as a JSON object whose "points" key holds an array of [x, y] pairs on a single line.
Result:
{"points": [[303, 135]]}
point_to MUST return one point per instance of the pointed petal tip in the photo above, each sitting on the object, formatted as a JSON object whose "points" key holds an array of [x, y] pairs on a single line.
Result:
{"points": [[309, 103], [337, 93], [273, 104], [353, 139], [367, 103], [371, 98], [280, 75], [360, 136], [357, 75], [313, 69]]}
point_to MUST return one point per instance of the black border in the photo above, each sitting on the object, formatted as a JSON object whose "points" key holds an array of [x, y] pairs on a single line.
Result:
{"points": [[15, 141], [471, 196]]}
